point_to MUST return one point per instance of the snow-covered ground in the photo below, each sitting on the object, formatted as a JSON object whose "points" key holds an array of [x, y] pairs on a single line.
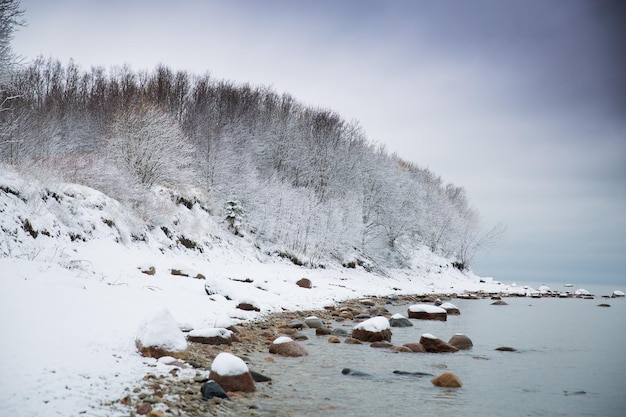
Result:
{"points": [[73, 295]]}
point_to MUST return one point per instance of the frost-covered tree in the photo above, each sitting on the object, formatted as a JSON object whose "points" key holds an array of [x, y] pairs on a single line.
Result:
{"points": [[10, 18], [148, 143]]}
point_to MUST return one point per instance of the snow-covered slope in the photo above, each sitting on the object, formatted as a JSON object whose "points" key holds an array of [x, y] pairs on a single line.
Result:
{"points": [[73, 294]]}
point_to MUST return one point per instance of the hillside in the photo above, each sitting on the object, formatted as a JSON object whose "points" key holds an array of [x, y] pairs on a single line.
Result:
{"points": [[74, 295]]}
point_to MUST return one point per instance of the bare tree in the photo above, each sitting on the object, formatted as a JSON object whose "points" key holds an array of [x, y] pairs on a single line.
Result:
{"points": [[145, 141]]}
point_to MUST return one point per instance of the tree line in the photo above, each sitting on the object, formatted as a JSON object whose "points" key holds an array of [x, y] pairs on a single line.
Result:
{"points": [[302, 180]]}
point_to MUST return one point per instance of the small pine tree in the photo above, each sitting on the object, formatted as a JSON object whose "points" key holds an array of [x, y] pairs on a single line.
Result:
{"points": [[234, 216]]}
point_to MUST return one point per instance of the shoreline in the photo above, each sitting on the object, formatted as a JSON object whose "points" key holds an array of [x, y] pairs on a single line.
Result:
{"points": [[177, 391]]}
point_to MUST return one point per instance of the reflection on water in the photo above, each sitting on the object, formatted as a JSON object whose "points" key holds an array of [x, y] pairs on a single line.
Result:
{"points": [[555, 356]]}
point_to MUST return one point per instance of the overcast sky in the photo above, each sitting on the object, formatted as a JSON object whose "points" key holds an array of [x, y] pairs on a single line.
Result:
{"points": [[523, 103]]}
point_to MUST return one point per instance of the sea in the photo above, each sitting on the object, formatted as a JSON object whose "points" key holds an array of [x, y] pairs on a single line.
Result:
{"points": [[569, 360]]}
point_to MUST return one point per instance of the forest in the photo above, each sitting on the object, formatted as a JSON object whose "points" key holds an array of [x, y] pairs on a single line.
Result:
{"points": [[299, 180]]}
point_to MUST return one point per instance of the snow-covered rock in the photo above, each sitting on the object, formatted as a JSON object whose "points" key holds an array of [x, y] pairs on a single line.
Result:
{"points": [[433, 344], [398, 320], [450, 308], [427, 312], [231, 373], [211, 336], [461, 341], [618, 293], [372, 330], [286, 346], [159, 335]]}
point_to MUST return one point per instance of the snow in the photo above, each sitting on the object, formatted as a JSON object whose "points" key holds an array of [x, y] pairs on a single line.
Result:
{"points": [[544, 289], [448, 305], [282, 339], [426, 308], [374, 325], [211, 332], [398, 316], [79, 284], [582, 291], [429, 336], [161, 330], [618, 293], [227, 364]]}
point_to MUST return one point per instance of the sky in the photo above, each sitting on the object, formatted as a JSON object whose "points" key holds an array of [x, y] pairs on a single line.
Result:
{"points": [[523, 103]]}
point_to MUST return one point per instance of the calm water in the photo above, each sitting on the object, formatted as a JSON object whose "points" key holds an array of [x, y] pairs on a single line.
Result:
{"points": [[565, 347]]}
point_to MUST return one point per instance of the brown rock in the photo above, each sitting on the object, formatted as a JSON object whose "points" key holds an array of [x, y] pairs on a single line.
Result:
{"points": [[461, 342], [156, 413], [247, 307], [334, 339], [367, 336], [401, 349], [351, 341], [323, 331], [157, 352], [292, 349], [381, 345], [447, 380], [429, 313], [178, 272], [234, 383], [415, 347], [499, 303], [149, 271], [435, 345], [144, 408], [346, 315], [304, 283]]}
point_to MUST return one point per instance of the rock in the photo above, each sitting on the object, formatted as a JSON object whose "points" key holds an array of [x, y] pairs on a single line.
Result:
{"points": [[372, 330], [314, 322], [144, 408], [149, 271], [352, 372], [447, 380], [400, 349], [427, 312], [247, 307], [212, 389], [323, 331], [179, 273], [211, 336], [258, 377], [506, 349], [296, 324], [450, 308], [159, 336], [618, 293], [346, 315], [604, 305], [156, 413], [200, 276], [499, 303], [398, 320], [381, 345], [415, 347], [433, 344], [286, 346], [412, 373], [231, 373], [352, 341], [461, 341], [334, 339], [304, 283], [362, 317], [339, 332]]}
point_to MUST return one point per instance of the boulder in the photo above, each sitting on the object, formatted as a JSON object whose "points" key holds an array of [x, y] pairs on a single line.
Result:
{"points": [[427, 312], [618, 293], [433, 344], [352, 341], [296, 324], [231, 373], [400, 349], [258, 377], [323, 331], [246, 306], [352, 372], [212, 389], [304, 283], [381, 344], [398, 320], [211, 336], [415, 347], [447, 380], [506, 349], [461, 341], [499, 303], [314, 322], [450, 308], [372, 330], [159, 335], [286, 346], [334, 339]]}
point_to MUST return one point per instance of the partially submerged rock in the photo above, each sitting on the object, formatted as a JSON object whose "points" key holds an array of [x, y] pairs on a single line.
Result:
{"points": [[372, 330], [427, 312], [398, 320], [433, 344], [461, 341], [447, 380], [286, 346]]}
